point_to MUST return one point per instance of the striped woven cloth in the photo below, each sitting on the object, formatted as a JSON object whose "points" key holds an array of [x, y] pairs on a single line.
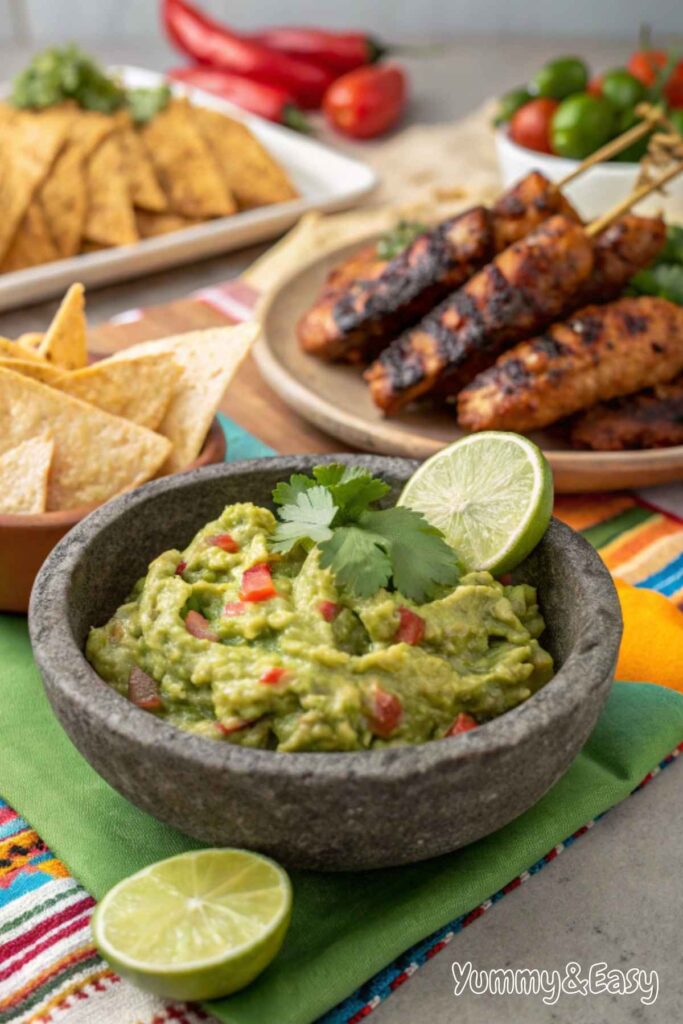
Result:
{"points": [[49, 970]]}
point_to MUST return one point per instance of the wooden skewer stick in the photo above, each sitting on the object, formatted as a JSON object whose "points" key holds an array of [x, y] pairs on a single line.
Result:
{"points": [[610, 149], [639, 193]]}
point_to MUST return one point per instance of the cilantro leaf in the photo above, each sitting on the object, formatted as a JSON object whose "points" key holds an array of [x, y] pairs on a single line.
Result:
{"points": [[353, 488], [358, 560], [307, 518], [144, 104], [287, 493], [420, 557]]}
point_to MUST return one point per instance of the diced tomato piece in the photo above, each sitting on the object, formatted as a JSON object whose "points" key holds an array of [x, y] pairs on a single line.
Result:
{"points": [[143, 691], [505, 579], [273, 675], [233, 725], [180, 568], [329, 610], [234, 608], [387, 712], [198, 626], [224, 541], [462, 723], [411, 628], [257, 583]]}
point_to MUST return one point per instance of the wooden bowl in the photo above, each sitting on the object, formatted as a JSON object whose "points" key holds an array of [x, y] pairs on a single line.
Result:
{"points": [[26, 541]]}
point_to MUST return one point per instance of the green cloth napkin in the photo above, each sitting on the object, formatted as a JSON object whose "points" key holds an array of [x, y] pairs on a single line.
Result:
{"points": [[345, 927]]}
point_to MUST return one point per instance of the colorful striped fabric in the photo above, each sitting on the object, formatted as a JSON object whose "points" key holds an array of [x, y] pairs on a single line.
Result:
{"points": [[49, 970]]}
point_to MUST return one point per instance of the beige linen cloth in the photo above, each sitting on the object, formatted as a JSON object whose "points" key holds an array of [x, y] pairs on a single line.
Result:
{"points": [[426, 173]]}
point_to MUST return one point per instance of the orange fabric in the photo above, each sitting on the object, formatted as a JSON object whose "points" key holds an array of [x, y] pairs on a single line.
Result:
{"points": [[652, 646], [581, 511]]}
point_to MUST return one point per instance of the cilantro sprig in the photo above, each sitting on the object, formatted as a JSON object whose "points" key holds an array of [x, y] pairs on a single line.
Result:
{"points": [[366, 548]]}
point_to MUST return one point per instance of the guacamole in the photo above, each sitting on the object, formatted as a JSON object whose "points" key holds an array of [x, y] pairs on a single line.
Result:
{"points": [[231, 641]]}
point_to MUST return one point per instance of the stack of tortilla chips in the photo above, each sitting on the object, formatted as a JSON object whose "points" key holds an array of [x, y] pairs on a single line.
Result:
{"points": [[74, 180], [73, 435]]}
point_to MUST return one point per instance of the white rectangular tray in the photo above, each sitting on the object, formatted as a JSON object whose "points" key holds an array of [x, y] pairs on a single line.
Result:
{"points": [[325, 179]]}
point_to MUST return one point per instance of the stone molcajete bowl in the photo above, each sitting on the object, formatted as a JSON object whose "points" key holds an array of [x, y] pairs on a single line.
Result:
{"points": [[326, 811]]}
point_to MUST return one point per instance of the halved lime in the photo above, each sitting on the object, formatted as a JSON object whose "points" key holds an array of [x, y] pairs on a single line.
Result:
{"points": [[196, 926], [491, 495]]}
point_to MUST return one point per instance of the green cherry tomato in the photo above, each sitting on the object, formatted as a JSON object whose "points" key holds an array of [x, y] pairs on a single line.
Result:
{"points": [[509, 104], [637, 150], [581, 124], [560, 78], [622, 89]]}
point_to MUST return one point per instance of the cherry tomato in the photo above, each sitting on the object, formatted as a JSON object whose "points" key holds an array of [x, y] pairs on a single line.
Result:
{"points": [[644, 65], [366, 102], [594, 87], [673, 90], [530, 125]]}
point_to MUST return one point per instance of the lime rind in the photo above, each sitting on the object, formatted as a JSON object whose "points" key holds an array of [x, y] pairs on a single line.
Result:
{"points": [[491, 494], [214, 919]]}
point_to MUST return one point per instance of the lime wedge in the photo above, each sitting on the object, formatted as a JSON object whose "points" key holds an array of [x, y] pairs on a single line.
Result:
{"points": [[196, 926], [491, 495]]}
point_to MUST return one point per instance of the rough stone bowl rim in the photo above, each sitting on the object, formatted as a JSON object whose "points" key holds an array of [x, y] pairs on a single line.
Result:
{"points": [[61, 659]]}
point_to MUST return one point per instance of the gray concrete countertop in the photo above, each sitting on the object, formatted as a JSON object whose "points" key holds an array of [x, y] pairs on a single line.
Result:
{"points": [[616, 895]]}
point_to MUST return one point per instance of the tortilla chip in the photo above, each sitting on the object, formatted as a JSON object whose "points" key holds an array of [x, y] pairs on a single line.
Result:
{"points": [[36, 370], [253, 176], [29, 143], [64, 200], [32, 244], [152, 224], [109, 219], [138, 387], [13, 350], [184, 165], [209, 360], [145, 190], [65, 343], [89, 128], [96, 455], [23, 476]]}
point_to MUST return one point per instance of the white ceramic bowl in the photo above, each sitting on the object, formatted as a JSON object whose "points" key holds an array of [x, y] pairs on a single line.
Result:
{"points": [[595, 191]]}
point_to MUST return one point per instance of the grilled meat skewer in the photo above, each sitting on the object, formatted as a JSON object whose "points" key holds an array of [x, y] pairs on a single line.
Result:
{"points": [[652, 418], [362, 304], [526, 286], [600, 353], [555, 269]]}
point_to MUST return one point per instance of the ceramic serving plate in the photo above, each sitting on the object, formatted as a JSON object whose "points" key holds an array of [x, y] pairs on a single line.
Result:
{"points": [[335, 398], [325, 179], [328, 811]]}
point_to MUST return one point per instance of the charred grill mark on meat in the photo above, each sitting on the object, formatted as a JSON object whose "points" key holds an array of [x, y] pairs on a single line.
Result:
{"points": [[600, 353], [524, 289], [349, 321], [652, 418], [621, 250], [353, 319]]}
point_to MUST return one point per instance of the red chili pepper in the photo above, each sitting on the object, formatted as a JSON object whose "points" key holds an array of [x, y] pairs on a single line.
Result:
{"points": [[198, 626], [142, 690], [366, 102], [387, 712], [223, 541], [257, 583], [269, 101], [341, 51], [180, 568], [234, 608], [208, 42], [273, 675], [411, 628], [462, 723], [329, 610]]}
